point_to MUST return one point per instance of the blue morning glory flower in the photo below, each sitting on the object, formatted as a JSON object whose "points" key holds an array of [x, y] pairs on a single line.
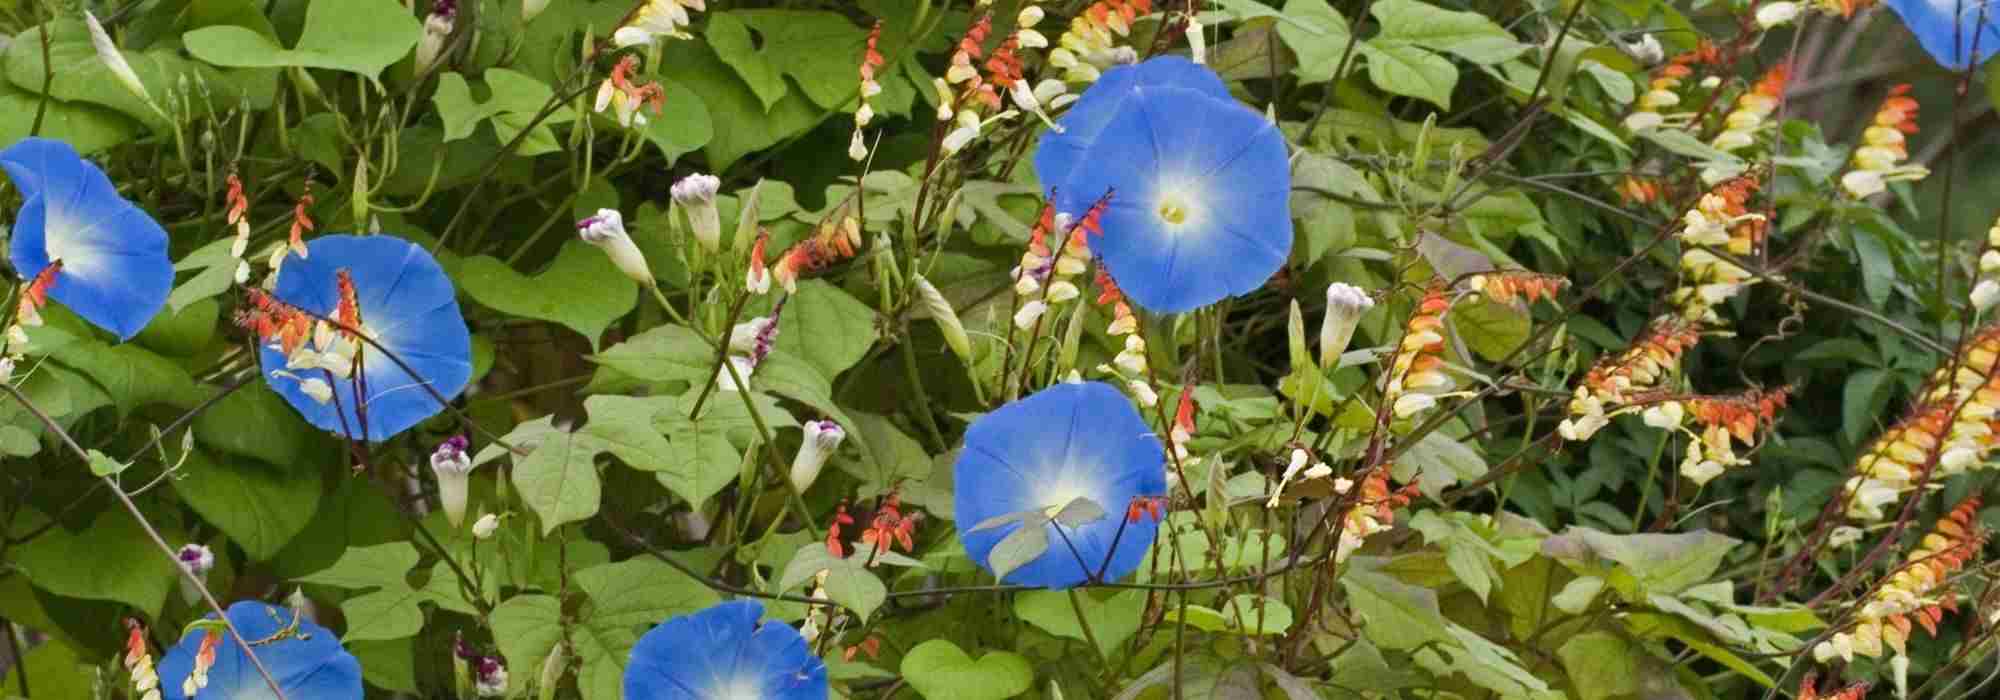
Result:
{"points": [[305, 658], [1953, 31], [1201, 184], [405, 303], [1027, 461], [724, 653], [1058, 153], [115, 272]]}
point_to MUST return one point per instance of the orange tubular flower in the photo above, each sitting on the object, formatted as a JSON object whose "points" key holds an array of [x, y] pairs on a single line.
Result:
{"points": [[275, 322], [890, 527], [1417, 377], [1374, 510], [1721, 220], [758, 278], [301, 221], [29, 311], [871, 59], [139, 662], [1752, 109], [1808, 691], [1512, 286], [840, 517], [239, 205], [1637, 190], [833, 243], [1918, 591], [624, 97], [1884, 147], [1616, 379]]}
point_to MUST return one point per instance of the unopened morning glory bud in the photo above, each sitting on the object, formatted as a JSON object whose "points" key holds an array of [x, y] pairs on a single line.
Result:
{"points": [[606, 230], [695, 194], [107, 52], [1197, 42], [485, 526], [552, 671], [452, 467], [1344, 305], [302, 605], [437, 27], [822, 438], [940, 310], [197, 560]]}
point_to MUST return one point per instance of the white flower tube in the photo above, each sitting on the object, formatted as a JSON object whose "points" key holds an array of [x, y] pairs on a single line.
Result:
{"points": [[1344, 305], [437, 27], [606, 230], [695, 194], [822, 438], [453, 469]]}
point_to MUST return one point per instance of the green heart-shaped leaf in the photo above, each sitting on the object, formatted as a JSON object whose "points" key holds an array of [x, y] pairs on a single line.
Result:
{"points": [[581, 289], [939, 669], [356, 36]]}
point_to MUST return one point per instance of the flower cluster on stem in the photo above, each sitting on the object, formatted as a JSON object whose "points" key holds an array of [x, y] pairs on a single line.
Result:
{"points": [[1953, 427], [1752, 110], [1918, 591], [1096, 39], [1417, 377], [1879, 160], [1614, 380], [1721, 220], [1986, 287], [871, 60]]}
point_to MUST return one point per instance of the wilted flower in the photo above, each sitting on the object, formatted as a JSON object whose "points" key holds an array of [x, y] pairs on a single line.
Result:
{"points": [[741, 657], [822, 438], [695, 195], [1344, 305], [437, 27], [606, 230]]}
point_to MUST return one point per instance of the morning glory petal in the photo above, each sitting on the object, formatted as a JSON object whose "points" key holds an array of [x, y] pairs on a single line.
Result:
{"points": [[724, 653], [407, 304], [305, 658], [1956, 33], [1041, 453], [1201, 209], [1057, 155], [115, 272]]}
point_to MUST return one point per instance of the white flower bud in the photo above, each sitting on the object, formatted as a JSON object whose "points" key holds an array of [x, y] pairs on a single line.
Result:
{"points": [[857, 148], [1843, 536], [606, 230], [1985, 294], [1412, 404], [940, 311], [1197, 42], [485, 526], [743, 338], [1344, 305], [317, 389], [452, 466], [437, 27], [1030, 16], [1144, 393], [107, 52], [822, 438], [1025, 318], [695, 195], [1777, 13], [552, 671], [1665, 416], [743, 367]]}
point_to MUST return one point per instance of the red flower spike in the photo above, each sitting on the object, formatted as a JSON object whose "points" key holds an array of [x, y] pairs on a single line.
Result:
{"points": [[349, 310], [37, 293], [239, 205], [135, 642], [840, 517], [1145, 506], [871, 58], [301, 221]]}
